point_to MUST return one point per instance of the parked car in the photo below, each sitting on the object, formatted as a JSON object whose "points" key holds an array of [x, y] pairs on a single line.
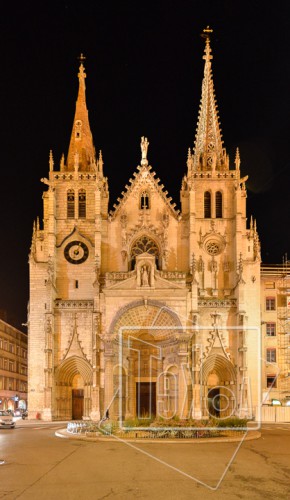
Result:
{"points": [[6, 420]]}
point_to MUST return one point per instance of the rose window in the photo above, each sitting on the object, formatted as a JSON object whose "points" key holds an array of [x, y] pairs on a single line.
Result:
{"points": [[213, 248]]}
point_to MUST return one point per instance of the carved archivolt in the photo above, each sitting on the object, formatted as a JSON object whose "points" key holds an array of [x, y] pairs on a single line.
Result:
{"points": [[154, 314]]}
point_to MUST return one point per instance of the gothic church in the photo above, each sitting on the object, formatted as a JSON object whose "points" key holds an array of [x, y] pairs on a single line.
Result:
{"points": [[144, 310]]}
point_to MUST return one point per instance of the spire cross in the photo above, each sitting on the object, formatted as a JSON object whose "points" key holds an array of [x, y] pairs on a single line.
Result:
{"points": [[81, 58], [206, 33]]}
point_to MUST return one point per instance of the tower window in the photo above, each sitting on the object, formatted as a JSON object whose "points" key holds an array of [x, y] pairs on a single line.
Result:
{"points": [[71, 204], [144, 200], [82, 204], [218, 205], [207, 205]]}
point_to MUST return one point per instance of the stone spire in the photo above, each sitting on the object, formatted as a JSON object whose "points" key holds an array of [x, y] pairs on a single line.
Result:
{"points": [[81, 148], [208, 151]]}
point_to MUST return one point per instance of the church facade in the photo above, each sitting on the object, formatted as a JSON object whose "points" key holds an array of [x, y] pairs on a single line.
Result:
{"points": [[145, 309]]}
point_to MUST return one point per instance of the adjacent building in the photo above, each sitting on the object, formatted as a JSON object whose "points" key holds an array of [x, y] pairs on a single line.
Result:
{"points": [[13, 368], [145, 309], [275, 330]]}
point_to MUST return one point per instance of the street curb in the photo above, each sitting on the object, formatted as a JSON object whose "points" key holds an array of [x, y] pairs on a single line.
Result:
{"points": [[62, 433]]}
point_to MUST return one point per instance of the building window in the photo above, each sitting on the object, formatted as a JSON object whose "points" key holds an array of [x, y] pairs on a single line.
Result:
{"points": [[271, 381], [144, 245], [82, 204], [70, 204], [270, 304], [207, 205], [218, 205], [271, 355], [144, 200], [270, 329]]}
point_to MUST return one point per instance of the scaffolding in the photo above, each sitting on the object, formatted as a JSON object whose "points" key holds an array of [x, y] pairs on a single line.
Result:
{"points": [[283, 316]]}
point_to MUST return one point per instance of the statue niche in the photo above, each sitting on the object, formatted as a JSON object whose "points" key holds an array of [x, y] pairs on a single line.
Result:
{"points": [[145, 266]]}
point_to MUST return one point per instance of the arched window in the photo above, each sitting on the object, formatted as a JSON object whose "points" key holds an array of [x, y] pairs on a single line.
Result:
{"points": [[82, 204], [207, 205], [70, 204], [142, 245], [144, 200], [218, 205]]}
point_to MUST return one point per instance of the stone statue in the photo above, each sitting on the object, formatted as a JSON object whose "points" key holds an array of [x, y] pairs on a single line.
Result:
{"points": [[144, 276], [144, 148]]}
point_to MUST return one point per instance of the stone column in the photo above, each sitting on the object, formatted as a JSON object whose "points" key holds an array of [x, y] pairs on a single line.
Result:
{"points": [[130, 401], [109, 382], [95, 413]]}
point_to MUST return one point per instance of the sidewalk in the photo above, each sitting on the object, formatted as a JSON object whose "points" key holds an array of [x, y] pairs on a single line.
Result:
{"points": [[34, 421]]}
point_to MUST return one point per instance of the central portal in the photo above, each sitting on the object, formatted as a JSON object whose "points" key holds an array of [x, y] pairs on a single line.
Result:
{"points": [[145, 399]]}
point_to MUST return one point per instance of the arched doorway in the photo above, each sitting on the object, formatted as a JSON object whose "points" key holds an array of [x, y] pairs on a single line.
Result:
{"points": [[73, 384], [218, 379], [141, 333]]}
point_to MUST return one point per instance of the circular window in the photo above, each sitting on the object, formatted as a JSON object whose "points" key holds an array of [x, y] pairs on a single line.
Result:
{"points": [[213, 248]]}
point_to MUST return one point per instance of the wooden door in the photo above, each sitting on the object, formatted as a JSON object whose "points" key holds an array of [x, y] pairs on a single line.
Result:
{"points": [[145, 399], [77, 404]]}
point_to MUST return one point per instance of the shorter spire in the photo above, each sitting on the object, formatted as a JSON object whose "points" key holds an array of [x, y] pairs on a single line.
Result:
{"points": [[81, 141]]}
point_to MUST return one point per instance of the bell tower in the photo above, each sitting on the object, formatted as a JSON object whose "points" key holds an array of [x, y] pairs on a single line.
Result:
{"points": [[64, 266], [224, 252]]}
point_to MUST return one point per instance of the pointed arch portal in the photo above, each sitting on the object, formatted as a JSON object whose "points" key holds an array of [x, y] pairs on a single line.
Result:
{"points": [[218, 379], [138, 358], [73, 382]]}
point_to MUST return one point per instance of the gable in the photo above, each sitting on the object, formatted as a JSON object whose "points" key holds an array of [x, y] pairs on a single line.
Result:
{"points": [[145, 192]]}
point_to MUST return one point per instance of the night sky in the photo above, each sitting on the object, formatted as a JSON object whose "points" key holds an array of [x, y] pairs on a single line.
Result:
{"points": [[144, 71]]}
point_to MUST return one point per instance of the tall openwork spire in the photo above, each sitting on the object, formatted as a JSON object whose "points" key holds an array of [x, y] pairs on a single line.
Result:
{"points": [[209, 153], [81, 153]]}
